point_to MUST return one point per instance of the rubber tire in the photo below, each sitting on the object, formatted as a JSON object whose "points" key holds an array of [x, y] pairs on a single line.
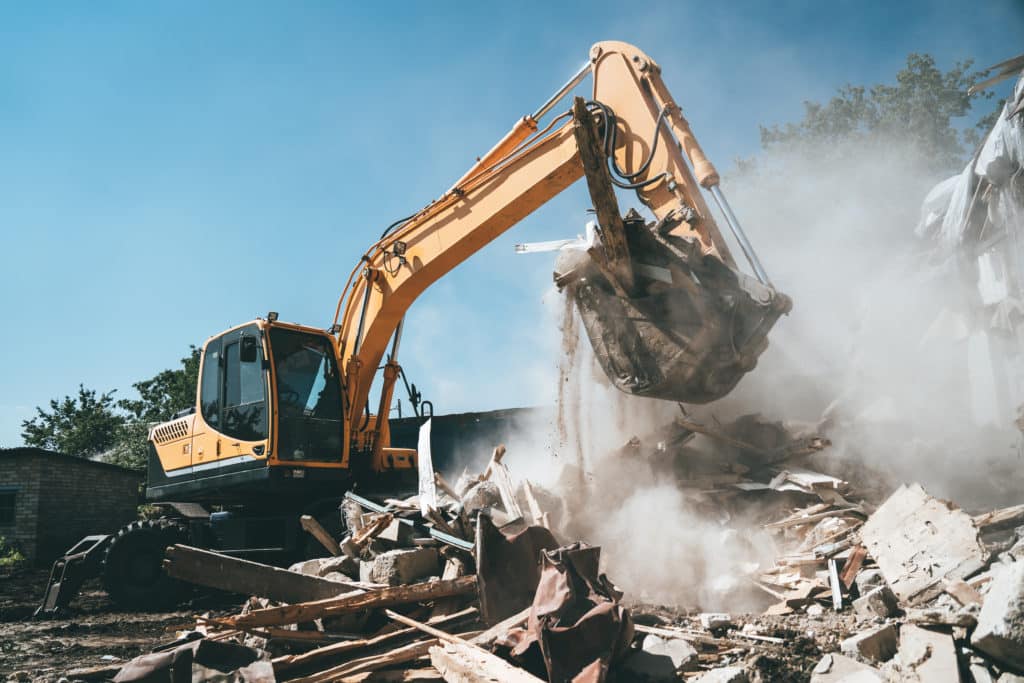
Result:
{"points": [[133, 573]]}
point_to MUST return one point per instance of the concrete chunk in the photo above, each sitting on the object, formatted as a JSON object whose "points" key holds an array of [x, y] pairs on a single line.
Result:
{"points": [[1000, 631], [927, 656], [918, 541], [880, 602], [714, 621], [322, 566], [725, 674], [877, 644], [868, 580], [837, 668], [398, 567], [659, 659]]}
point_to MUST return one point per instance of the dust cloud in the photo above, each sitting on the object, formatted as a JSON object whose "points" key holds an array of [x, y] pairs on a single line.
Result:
{"points": [[873, 354]]}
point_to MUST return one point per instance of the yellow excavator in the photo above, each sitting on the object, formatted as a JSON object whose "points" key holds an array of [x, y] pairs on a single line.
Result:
{"points": [[283, 423]]}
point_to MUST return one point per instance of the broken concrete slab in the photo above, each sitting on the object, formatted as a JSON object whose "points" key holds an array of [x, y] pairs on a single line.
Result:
{"points": [[927, 656], [398, 567], [876, 645], [880, 602], [715, 621], [1000, 631], [837, 668], [868, 580], [322, 566], [659, 659], [725, 674], [918, 541]]}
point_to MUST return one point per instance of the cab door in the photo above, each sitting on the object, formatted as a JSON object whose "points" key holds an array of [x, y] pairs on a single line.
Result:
{"points": [[233, 425], [206, 441]]}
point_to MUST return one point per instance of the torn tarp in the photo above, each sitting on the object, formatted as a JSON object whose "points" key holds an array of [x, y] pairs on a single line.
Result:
{"points": [[508, 566], [576, 621]]}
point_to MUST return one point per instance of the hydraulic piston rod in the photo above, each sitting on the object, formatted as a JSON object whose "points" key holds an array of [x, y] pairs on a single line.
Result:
{"points": [[741, 237]]}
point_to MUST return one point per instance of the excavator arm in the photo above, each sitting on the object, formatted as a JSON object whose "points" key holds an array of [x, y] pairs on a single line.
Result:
{"points": [[632, 124]]}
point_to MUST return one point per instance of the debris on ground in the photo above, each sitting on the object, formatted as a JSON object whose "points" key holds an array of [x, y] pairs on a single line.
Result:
{"points": [[480, 583]]}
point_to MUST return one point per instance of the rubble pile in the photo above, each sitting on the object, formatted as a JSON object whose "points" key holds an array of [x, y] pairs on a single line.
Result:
{"points": [[474, 581]]}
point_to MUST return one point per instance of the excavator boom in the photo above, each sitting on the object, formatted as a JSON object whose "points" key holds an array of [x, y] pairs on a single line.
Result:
{"points": [[687, 334]]}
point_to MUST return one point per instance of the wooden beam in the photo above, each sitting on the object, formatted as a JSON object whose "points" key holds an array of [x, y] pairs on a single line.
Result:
{"points": [[355, 602], [314, 528], [487, 638], [998, 520], [366, 646], [461, 661], [602, 194], [214, 570]]}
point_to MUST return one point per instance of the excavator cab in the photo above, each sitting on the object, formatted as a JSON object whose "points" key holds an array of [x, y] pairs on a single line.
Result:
{"points": [[269, 410]]}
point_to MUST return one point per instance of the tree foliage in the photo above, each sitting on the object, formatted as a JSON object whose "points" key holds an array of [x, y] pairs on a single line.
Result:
{"points": [[921, 108], [94, 424], [83, 426], [161, 396]]}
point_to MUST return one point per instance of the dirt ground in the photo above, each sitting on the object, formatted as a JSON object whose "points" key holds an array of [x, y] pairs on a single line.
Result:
{"points": [[93, 633]]}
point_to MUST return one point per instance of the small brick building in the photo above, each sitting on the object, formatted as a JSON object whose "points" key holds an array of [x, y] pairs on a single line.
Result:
{"points": [[50, 501]]}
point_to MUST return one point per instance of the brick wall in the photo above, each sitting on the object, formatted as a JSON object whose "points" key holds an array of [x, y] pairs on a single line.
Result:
{"points": [[21, 477], [66, 499]]}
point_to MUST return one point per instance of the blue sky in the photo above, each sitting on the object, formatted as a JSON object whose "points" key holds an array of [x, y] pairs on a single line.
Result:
{"points": [[170, 169]]}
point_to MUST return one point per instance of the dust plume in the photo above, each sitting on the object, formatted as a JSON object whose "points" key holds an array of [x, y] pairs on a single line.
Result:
{"points": [[874, 355]]}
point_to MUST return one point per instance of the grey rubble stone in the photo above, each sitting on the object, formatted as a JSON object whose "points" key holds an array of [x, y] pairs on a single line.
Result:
{"points": [[398, 567], [927, 655], [917, 539], [659, 659], [868, 580], [837, 668], [725, 674], [322, 566], [877, 644], [1000, 630], [482, 495], [879, 602], [714, 621]]}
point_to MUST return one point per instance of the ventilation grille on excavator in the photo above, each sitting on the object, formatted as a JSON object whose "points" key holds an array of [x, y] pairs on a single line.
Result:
{"points": [[170, 432]]}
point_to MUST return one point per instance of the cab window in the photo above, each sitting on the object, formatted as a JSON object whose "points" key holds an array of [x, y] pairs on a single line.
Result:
{"points": [[209, 392], [233, 390], [244, 411]]}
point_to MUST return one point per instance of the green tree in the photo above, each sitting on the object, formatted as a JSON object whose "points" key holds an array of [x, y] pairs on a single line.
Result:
{"points": [[921, 108], [160, 397], [83, 426]]}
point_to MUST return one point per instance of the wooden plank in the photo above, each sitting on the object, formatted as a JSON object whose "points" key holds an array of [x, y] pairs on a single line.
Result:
{"points": [[463, 663], [602, 194], [401, 655], [835, 585], [370, 531], [487, 638], [355, 602], [853, 566], [214, 570], [408, 653], [314, 528], [539, 516], [286, 663], [810, 519], [392, 676], [999, 520]]}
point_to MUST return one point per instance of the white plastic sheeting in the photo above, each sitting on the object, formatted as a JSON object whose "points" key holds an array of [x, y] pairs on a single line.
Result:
{"points": [[944, 213]]}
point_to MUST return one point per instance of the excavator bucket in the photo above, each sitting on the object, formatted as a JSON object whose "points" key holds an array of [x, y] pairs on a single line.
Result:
{"points": [[689, 327]]}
